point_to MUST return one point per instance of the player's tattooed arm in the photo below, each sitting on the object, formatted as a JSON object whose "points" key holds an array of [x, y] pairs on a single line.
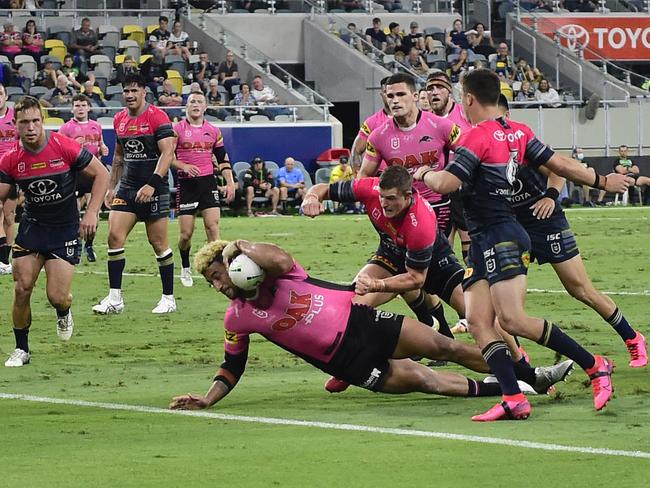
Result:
{"points": [[358, 148], [271, 258]]}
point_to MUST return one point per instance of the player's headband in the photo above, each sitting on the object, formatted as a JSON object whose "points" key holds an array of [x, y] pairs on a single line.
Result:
{"points": [[440, 83]]}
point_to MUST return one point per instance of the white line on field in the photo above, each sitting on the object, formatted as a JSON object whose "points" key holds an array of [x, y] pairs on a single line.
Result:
{"points": [[642, 293], [333, 426]]}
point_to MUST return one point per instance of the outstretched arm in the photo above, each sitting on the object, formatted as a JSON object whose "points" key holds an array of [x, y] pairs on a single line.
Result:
{"points": [[576, 172], [271, 258], [442, 182]]}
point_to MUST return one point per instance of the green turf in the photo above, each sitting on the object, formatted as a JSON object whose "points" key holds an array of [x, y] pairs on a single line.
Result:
{"points": [[141, 359]]}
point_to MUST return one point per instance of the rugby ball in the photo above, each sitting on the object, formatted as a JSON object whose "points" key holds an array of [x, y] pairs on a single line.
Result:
{"points": [[245, 273]]}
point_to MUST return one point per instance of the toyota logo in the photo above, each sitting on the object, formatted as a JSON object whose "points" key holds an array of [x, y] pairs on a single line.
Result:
{"points": [[42, 187], [499, 135], [134, 146], [575, 35]]}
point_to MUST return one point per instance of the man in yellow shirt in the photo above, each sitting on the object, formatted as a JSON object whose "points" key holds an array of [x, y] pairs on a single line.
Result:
{"points": [[343, 172]]}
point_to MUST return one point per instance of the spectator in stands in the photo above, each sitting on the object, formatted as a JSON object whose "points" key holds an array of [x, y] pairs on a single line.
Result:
{"points": [[32, 41], [222, 186], [128, 67], [526, 93], [459, 66], [11, 42], [291, 181], [265, 97], [216, 99], [579, 155], [159, 37], [394, 41], [623, 165], [416, 63], [352, 37], [154, 71], [169, 97], [414, 39], [548, 95], [88, 89], [47, 76], [485, 36], [258, 182], [75, 77], [179, 42], [245, 99], [84, 42], [60, 96], [390, 5], [475, 44], [423, 101], [375, 35], [502, 64], [456, 39], [343, 172], [578, 5], [228, 72], [523, 71], [203, 70]]}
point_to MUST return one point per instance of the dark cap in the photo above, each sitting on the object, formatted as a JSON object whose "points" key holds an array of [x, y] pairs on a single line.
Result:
{"points": [[414, 24], [257, 159], [343, 160]]}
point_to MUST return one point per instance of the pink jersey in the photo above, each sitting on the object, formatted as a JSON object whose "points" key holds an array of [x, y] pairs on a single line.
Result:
{"points": [[196, 144], [457, 116], [8, 132], [426, 144], [88, 134], [306, 317], [371, 123]]}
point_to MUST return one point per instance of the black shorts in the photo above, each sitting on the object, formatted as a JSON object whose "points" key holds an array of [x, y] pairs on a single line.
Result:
{"points": [[194, 194], [551, 240], [13, 193], [84, 185], [500, 252], [124, 201], [49, 242], [457, 213], [444, 274], [369, 342]]}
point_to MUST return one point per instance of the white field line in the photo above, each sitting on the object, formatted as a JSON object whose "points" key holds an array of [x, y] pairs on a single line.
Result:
{"points": [[641, 293], [333, 426]]}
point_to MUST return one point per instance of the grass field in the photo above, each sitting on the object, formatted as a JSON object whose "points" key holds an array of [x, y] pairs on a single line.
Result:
{"points": [[138, 359]]}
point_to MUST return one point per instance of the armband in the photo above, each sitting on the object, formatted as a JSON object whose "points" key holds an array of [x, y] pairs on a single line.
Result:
{"points": [[600, 181], [552, 193], [425, 174], [223, 380], [155, 181]]}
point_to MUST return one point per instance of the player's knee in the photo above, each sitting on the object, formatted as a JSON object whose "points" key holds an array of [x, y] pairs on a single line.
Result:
{"points": [[23, 288], [115, 241], [429, 381], [511, 321], [59, 299], [584, 293]]}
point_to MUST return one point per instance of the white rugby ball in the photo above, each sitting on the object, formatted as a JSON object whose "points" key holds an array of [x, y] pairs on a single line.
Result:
{"points": [[245, 273]]}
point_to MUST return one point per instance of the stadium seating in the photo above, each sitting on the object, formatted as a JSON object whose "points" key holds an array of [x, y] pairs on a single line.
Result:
{"points": [[176, 79], [322, 175], [130, 47], [134, 33], [240, 166]]}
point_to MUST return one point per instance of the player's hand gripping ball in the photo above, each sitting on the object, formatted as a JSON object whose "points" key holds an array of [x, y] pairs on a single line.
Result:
{"points": [[245, 273]]}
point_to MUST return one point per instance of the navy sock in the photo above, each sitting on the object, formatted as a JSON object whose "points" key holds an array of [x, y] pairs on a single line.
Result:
{"points": [[621, 325], [62, 313], [419, 307], [116, 264], [4, 250], [558, 341], [89, 242], [479, 389], [438, 312], [524, 372], [21, 338], [166, 268], [498, 357], [185, 257]]}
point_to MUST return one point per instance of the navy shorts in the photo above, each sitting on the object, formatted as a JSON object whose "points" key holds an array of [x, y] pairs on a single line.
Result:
{"points": [[194, 194], [499, 252], [49, 242], [84, 185], [551, 240], [444, 274], [443, 216], [457, 213], [124, 201], [369, 342]]}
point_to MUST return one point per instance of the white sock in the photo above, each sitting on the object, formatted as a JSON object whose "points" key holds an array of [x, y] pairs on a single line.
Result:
{"points": [[115, 295]]}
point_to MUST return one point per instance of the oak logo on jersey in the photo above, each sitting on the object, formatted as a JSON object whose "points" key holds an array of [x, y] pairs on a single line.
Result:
{"points": [[196, 145], [299, 306], [425, 158]]}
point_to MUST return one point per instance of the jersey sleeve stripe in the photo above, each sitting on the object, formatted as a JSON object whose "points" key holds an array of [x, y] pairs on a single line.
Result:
{"points": [[537, 152], [342, 191], [163, 132]]}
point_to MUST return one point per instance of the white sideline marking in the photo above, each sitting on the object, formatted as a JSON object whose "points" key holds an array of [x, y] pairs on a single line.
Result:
{"points": [[643, 293], [333, 426]]}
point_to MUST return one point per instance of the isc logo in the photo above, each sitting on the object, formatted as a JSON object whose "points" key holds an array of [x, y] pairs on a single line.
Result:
{"points": [[553, 237]]}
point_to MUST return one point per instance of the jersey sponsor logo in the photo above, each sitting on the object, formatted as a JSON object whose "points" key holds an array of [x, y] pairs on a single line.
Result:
{"points": [[513, 167], [372, 379], [299, 306], [118, 201], [371, 149], [21, 167], [382, 315], [413, 161], [230, 337], [376, 213], [394, 142], [39, 165], [414, 220], [365, 129], [188, 133], [425, 139], [188, 206], [134, 146], [56, 163], [454, 135], [194, 145], [260, 313], [42, 187], [525, 258], [468, 273], [501, 136]]}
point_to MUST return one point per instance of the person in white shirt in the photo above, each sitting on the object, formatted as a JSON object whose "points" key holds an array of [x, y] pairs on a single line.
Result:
{"points": [[265, 97], [178, 42], [546, 94]]}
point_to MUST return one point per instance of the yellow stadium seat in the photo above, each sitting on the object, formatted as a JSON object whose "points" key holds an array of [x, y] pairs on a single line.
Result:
{"points": [[53, 121], [135, 33], [144, 57], [50, 43], [119, 58], [151, 28], [58, 52], [176, 79], [507, 92]]}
